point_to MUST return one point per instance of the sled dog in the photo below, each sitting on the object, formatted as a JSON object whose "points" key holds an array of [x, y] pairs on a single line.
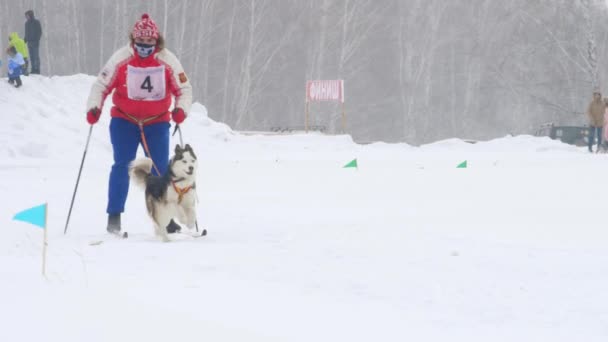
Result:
{"points": [[172, 195]]}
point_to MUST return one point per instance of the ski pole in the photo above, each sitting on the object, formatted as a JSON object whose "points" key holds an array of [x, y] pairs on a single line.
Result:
{"points": [[78, 180], [181, 140], [181, 143]]}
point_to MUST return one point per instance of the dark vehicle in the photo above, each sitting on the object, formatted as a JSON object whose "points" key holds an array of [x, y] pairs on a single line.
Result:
{"points": [[573, 135], [291, 129]]}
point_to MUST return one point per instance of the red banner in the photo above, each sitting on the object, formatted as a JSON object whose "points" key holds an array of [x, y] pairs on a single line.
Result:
{"points": [[325, 90]]}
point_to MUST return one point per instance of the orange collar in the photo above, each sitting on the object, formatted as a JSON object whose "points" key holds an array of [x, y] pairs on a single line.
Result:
{"points": [[180, 192]]}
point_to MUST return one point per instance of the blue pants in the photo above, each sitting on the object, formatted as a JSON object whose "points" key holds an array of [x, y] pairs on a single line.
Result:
{"points": [[126, 138], [592, 132]]}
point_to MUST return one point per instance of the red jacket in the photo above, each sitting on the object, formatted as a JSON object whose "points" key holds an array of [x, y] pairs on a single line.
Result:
{"points": [[143, 87]]}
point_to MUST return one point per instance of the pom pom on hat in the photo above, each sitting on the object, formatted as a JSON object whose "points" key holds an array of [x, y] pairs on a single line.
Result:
{"points": [[145, 28]]}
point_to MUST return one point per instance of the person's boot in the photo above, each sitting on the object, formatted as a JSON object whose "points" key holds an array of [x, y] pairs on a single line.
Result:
{"points": [[173, 227], [18, 83], [113, 223]]}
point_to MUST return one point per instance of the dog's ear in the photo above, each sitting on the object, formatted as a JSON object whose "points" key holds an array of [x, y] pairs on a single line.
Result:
{"points": [[178, 149], [189, 149]]}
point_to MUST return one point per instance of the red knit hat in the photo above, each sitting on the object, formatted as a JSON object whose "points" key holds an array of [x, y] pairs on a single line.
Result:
{"points": [[145, 28]]}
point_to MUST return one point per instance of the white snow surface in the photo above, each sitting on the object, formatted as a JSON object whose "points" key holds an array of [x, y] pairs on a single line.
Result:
{"points": [[406, 248]]}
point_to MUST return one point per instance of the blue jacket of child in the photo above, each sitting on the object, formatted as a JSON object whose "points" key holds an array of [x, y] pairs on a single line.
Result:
{"points": [[14, 65]]}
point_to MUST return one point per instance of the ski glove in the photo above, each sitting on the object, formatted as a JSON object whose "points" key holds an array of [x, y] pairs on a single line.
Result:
{"points": [[93, 115], [178, 115]]}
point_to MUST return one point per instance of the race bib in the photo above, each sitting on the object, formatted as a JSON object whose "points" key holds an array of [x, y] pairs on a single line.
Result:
{"points": [[146, 84]]}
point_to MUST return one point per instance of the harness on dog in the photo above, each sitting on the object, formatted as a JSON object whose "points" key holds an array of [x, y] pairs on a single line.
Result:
{"points": [[180, 192]]}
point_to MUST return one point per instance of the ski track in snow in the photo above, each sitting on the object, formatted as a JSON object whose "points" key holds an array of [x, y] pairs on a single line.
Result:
{"points": [[407, 247]]}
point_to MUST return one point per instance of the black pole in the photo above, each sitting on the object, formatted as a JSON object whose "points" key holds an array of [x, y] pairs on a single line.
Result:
{"points": [[181, 142], [204, 232], [175, 130], [78, 180]]}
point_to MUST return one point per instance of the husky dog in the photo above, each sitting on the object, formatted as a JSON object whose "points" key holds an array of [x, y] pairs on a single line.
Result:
{"points": [[172, 196]]}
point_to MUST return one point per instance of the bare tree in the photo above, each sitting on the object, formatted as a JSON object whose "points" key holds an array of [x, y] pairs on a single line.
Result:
{"points": [[102, 33], [228, 62], [590, 6], [416, 57], [185, 4], [258, 58], [78, 48]]}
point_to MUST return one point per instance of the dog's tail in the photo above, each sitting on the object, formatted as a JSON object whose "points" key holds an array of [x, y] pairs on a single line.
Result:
{"points": [[140, 170]]}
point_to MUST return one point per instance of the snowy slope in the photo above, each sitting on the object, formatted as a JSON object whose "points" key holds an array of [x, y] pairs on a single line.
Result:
{"points": [[406, 248]]}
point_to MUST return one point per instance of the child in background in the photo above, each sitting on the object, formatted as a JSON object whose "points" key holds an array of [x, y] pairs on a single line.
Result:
{"points": [[15, 65], [21, 47]]}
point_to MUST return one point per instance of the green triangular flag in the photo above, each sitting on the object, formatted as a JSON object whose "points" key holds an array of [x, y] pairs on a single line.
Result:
{"points": [[353, 163], [462, 165]]}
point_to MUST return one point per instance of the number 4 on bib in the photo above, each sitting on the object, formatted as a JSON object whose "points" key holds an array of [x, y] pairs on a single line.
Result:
{"points": [[146, 84]]}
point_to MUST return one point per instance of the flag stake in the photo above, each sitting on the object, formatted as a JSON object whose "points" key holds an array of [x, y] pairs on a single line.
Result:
{"points": [[37, 216], [44, 241]]}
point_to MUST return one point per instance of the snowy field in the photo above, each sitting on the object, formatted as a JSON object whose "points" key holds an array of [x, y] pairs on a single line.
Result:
{"points": [[406, 248]]}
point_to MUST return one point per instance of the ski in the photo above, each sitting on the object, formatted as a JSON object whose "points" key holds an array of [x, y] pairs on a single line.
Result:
{"points": [[119, 235], [125, 235], [193, 234], [122, 235]]}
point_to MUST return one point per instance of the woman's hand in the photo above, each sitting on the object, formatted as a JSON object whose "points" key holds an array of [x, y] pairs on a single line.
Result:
{"points": [[93, 115], [178, 115]]}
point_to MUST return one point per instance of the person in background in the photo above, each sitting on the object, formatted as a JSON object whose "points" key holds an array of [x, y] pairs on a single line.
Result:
{"points": [[595, 112], [19, 44], [33, 33], [15, 65], [145, 78], [605, 127]]}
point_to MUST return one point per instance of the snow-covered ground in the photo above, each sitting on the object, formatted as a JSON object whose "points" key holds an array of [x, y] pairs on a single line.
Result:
{"points": [[406, 248]]}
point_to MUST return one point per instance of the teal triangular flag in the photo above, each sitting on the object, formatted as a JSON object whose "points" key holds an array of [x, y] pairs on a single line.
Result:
{"points": [[462, 165], [353, 163], [35, 216]]}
